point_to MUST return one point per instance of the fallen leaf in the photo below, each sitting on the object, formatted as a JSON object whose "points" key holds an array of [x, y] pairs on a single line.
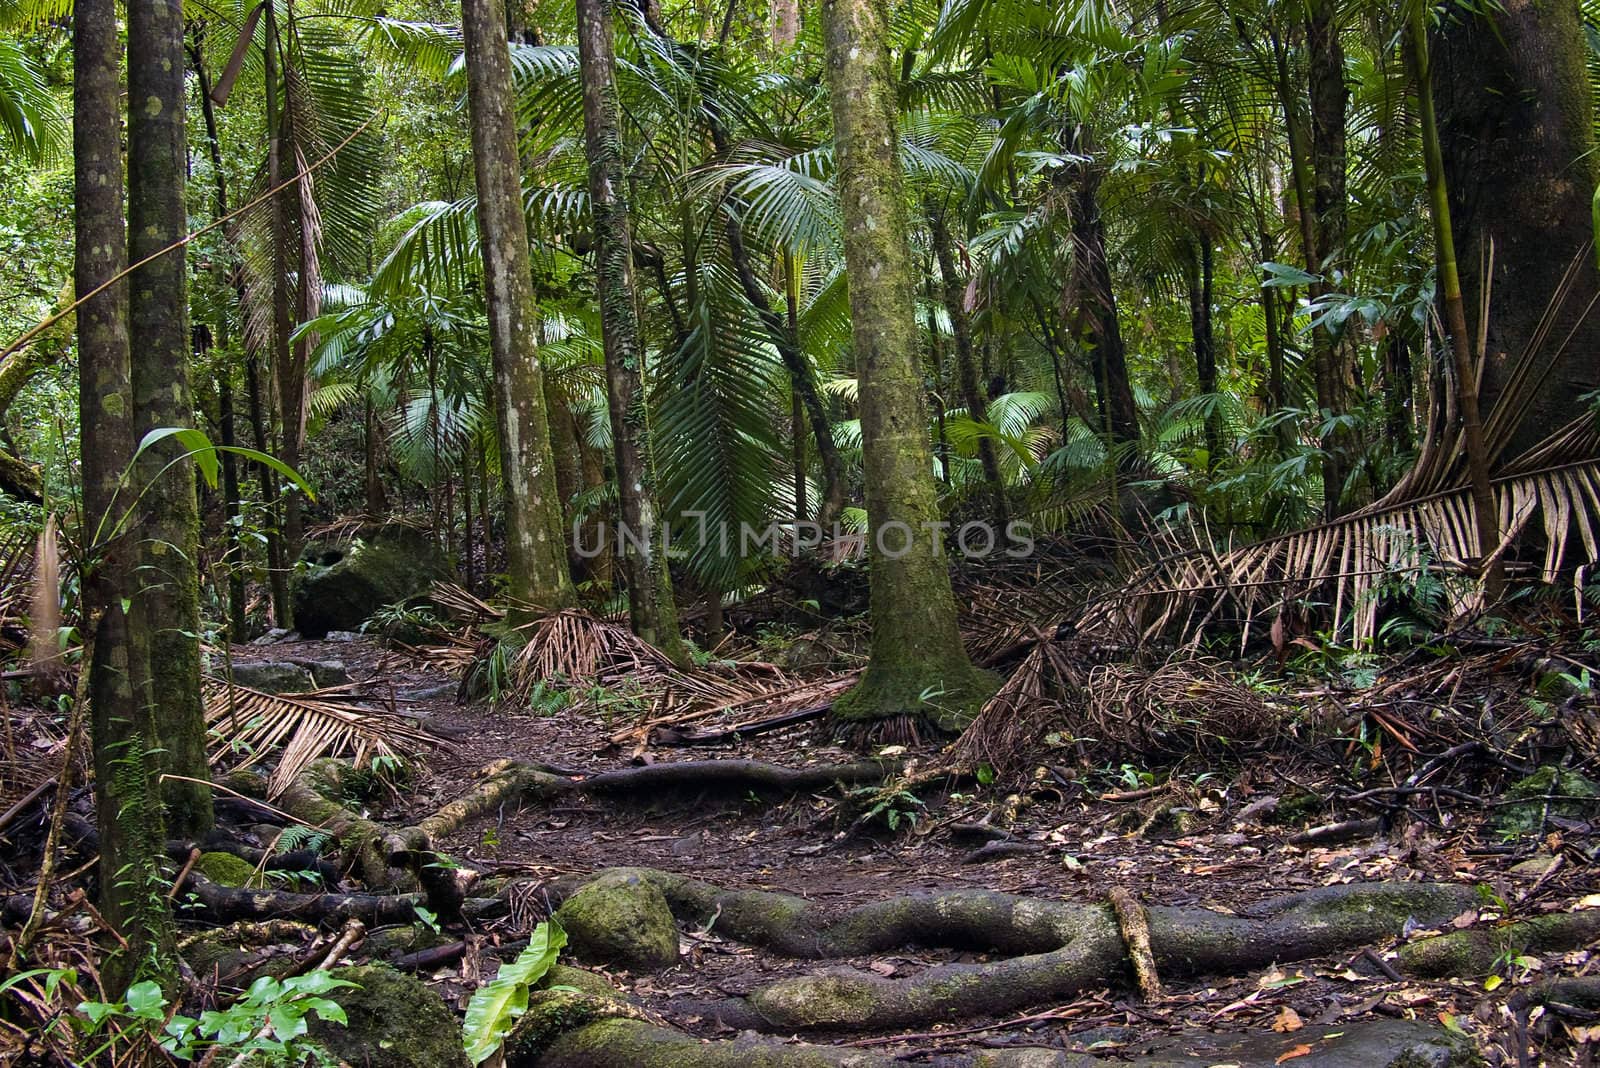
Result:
{"points": [[883, 968], [1299, 1051], [1288, 1020], [1465, 920]]}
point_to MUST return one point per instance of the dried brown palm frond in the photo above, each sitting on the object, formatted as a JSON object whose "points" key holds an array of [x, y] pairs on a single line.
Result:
{"points": [[16, 589], [245, 724], [1552, 492], [452, 654], [463, 606], [1037, 693], [1183, 707]]}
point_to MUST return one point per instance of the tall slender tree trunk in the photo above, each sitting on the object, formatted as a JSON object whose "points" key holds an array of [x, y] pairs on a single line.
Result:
{"points": [[1455, 316], [651, 609], [954, 296], [1201, 275], [168, 606], [233, 497], [785, 24], [122, 726], [1517, 139], [1330, 352], [536, 560], [1098, 312], [918, 666], [284, 510]]}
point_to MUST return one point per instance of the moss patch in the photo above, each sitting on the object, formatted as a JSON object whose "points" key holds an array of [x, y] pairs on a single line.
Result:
{"points": [[395, 1021], [622, 920], [1550, 791], [225, 869]]}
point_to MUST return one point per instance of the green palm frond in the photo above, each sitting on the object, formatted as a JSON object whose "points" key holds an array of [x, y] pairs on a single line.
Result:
{"points": [[32, 120]]}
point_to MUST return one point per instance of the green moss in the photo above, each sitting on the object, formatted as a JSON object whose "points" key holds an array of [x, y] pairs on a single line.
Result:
{"points": [[946, 694], [552, 1013], [816, 1001], [1549, 791], [395, 1021], [225, 869], [621, 919], [578, 978]]}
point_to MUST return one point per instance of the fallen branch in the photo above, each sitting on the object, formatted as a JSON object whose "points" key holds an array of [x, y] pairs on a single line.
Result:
{"points": [[1134, 923]]}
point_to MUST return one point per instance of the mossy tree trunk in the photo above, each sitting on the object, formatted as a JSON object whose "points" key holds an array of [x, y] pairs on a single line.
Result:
{"points": [[918, 666], [536, 561], [122, 728], [651, 609], [1517, 138], [168, 603], [977, 405]]}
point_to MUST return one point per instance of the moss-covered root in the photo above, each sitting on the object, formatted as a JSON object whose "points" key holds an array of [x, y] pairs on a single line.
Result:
{"points": [[498, 783], [1474, 952], [313, 799], [625, 1043], [553, 1013]]}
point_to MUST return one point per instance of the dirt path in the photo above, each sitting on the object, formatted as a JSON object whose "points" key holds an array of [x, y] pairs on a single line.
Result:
{"points": [[1085, 845]]}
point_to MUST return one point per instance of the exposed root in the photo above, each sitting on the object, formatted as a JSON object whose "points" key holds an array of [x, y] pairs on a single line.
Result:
{"points": [[1062, 948], [226, 903], [1475, 951], [1135, 926]]}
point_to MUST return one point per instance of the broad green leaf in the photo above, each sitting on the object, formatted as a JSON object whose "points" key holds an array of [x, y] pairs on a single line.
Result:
{"points": [[496, 1006]]}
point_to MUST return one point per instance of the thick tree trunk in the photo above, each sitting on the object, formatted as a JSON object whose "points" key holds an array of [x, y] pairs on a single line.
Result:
{"points": [[1330, 353], [977, 405], [121, 724], [651, 609], [536, 560], [1515, 126], [168, 605], [918, 666]]}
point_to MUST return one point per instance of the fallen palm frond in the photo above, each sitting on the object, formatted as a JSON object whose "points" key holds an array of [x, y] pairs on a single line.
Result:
{"points": [[16, 589], [463, 606], [1414, 547], [1037, 693], [245, 724], [1181, 708]]}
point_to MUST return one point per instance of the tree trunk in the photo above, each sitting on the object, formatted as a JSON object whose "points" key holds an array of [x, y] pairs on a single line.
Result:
{"points": [[281, 510], [918, 667], [785, 24], [1201, 274], [168, 604], [977, 405], [122, 726], [233, 497], [1330, 352], [1455, 317], [1102, 333], [1515, 126], [651, 610], [536, 560]]}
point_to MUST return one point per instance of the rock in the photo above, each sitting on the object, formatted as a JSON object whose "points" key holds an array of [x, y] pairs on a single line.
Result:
{"points": [[623, 921], [432, 693], [325, 672], [395, 1021], [273, 637], [339, 585], [342, 636], [225, 869], [1571, 796], [1371, 1044], [1534, 867], [274, 676]]}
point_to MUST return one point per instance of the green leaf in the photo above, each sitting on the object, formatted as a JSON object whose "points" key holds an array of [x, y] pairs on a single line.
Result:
{"points": [[204, 454], [146, 1001], [495, 1007], [1285, 276]]}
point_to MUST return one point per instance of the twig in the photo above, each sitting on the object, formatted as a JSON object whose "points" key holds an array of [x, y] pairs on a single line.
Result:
{"points": [[188, 866]]}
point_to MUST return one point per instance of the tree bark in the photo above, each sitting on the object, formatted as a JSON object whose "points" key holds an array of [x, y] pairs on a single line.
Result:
{"points": [[918, 666], [122, 727], [651, 609], [1201, 275], [1100, 329], [283, 511], [1330, 353], [1515, 127], [168, 603], [536, 560], [977, 405]]}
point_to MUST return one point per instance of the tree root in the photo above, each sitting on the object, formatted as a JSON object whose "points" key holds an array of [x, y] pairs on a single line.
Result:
{"points": [[1475, 951], [1062, 948], [227, 903], [1134, 923]]}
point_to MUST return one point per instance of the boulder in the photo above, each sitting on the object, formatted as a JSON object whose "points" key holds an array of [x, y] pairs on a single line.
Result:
{"points": [[225, 869], [394, 1021], [621, 921], [273, 676], [339, 585]]}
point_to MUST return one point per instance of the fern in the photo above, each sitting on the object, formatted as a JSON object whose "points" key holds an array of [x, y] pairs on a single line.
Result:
{"points": [[496, 1006]]}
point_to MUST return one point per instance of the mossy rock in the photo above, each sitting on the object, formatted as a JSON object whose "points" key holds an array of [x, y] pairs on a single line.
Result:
{"points": [[339, 585], [1573, 797], [579, 979], [395, 1021], [225, 869], [552, 1013], [623, 921]]}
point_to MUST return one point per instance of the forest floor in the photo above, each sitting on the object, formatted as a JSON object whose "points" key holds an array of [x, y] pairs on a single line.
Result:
{"points": [[1208, 838]]}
